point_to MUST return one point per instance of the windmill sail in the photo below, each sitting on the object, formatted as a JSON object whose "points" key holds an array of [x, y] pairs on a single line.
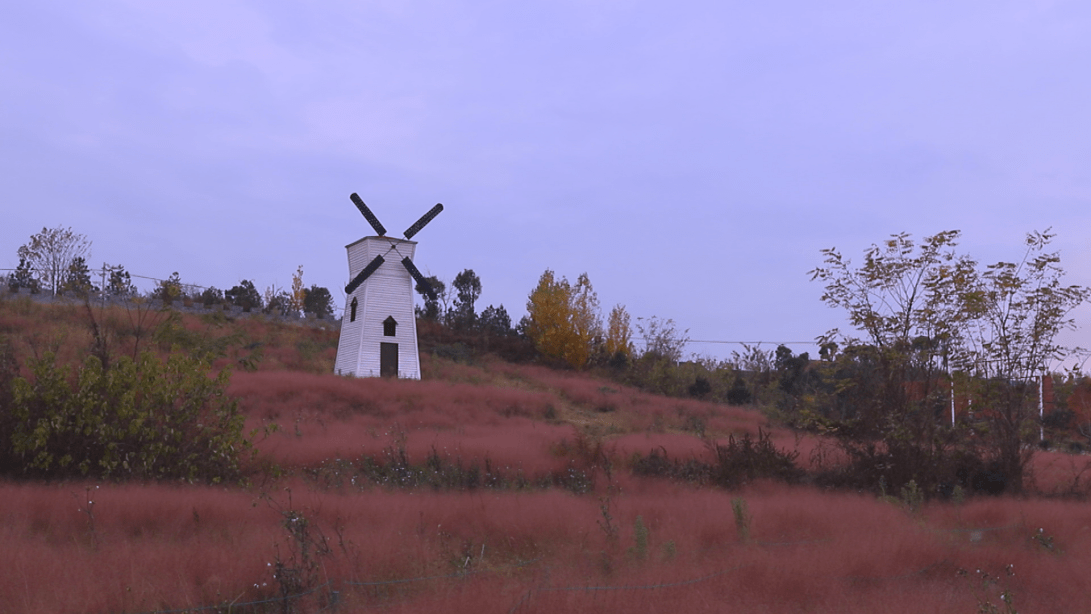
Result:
{"points": [[412, 268], [427, 217], [368, 215], [364, 274]]}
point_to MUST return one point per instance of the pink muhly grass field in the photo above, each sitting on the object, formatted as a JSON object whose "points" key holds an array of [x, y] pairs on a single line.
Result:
{"points": [[160, 547]]}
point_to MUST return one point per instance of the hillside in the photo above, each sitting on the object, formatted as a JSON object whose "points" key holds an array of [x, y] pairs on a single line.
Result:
{"points": [[492, 486]]}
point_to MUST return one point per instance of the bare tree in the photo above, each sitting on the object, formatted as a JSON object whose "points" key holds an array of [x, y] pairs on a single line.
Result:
{"points": [[51, 252]]}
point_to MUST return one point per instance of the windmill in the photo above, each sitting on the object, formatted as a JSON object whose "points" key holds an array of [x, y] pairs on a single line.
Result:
{"points": [[379, 330]]}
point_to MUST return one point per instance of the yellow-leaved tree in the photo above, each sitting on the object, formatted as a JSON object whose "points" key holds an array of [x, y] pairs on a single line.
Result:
{"points": [[619, 334], [299, 292], [564, 318]]}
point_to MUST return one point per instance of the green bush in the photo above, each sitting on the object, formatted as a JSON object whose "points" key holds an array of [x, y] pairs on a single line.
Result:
{"points": [[145, 419]]}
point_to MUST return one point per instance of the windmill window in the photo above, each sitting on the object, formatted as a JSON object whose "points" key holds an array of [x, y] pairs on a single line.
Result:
{"points": [[352, 310], [389, 326]]}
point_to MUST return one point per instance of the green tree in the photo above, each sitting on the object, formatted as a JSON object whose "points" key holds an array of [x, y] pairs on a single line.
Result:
{"points": [[120, 282], [50, 253], [467, 286], [77, 279], [495, 321], [319, 301], [925, 310], [146, 419], [169, 290], [245, 295], [23, 277], [1017, 309], [434, 303]]}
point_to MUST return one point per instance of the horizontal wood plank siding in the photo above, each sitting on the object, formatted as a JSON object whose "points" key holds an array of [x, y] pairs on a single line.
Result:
{"points": [[388, 292]]}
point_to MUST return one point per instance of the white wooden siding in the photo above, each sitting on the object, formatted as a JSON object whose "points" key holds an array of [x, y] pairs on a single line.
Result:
{"points": [[387, 292]]}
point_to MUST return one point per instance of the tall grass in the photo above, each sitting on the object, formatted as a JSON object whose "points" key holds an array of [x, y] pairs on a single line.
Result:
{"points": [[161, 547]]}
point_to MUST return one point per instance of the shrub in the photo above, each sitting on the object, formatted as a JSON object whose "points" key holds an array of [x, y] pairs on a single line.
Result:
{"points": [[145, 418]]}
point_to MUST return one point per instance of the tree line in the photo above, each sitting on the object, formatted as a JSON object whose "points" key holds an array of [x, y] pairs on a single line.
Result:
{"points": [[55, 260]]}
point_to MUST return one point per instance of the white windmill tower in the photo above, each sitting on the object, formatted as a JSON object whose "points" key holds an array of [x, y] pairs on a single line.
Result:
{"points": [[379, 330]]}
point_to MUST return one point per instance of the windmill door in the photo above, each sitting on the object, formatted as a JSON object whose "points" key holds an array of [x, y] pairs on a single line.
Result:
{"points": [[388, 359]]}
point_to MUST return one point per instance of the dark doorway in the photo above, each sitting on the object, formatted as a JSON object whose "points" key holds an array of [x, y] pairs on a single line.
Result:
{"points": [[388, 359]]}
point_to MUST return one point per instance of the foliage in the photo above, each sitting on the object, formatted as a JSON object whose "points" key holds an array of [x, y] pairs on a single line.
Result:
{"points": [[50, 253], [211, 296], [495, 321], [298, 293], [23, 277], [563, 320], [1017, 311], [77, 279], [244, 295], [319, 301], [467, 287], [435, 304], [662, 339], [120, 282], [146, 418], [168, 290], [278, 302], [927, 311], [619, 334]]}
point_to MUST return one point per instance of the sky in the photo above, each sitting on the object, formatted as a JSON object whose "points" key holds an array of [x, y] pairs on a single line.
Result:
{"points": [[693, 158]]}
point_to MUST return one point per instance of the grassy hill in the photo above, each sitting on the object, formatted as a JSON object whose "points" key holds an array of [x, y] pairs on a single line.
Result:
{"points": [[493, 486]]}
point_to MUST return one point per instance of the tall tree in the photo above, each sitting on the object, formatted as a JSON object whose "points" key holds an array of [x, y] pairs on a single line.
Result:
{"points": [[77, 279], [435, 303], [50, 252], [318, 300], [562, 319], [467, 286], [244, 295], [23, 277], [619, 334], [120, 282], [169, 290], [299, 292], [495, 321], [1017, 310]]}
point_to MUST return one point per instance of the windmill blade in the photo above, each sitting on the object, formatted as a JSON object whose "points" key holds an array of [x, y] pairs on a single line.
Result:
{"points": [[364, 274], [368, 215], [412, 268], [427, 217]]}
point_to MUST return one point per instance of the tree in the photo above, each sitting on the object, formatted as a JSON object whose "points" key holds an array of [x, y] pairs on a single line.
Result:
{"points": [[467, 286], [1016, 311], [495, 321], [299, 292], [619, 333], [563, 320], [927, 310], [50, 253], [244, 295], [662, 339], [319, 301], [120, 282], [211, 296], [77, 279], [145, 418], [168, 290], [435, 303], [278, 301], [23, 277]]}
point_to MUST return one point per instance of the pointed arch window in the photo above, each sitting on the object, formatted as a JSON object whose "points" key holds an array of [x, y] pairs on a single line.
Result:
{"points": [[389, 326], [352, 310]]}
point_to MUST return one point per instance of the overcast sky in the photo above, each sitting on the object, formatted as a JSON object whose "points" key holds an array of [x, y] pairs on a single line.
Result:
{"points": [[692, 157]]}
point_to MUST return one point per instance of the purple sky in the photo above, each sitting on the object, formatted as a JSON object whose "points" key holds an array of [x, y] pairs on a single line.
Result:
{"points": [[692, 158]]}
